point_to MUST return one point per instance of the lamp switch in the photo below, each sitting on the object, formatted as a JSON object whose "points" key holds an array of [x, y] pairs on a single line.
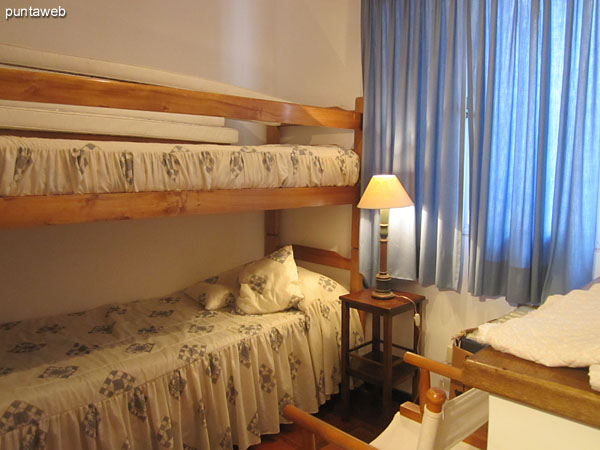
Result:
{"points": [[417, 319]]}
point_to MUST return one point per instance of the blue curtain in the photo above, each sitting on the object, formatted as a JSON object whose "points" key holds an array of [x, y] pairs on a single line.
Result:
{"points": [[414, 64], [534, 108]]}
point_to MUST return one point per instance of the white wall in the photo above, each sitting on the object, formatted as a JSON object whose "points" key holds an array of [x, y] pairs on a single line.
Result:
{"points": [[305, 51], [73, 267]]}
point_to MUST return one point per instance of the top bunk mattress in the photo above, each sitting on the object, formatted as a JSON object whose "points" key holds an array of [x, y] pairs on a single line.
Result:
{"points": [[36, 166]]}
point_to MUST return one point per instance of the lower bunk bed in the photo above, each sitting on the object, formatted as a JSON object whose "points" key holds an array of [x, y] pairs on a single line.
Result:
{"points": [[168, 372]]}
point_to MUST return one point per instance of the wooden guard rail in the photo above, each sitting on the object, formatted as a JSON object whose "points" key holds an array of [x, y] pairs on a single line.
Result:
{"points": [[79, 208], [80, 90]]}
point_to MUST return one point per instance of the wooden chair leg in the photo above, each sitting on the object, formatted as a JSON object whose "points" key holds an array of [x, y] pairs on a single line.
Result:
{"points": [[308, 440]]}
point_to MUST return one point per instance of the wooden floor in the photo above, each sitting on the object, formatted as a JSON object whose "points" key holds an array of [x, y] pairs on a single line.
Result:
{"points": [[367, 420]]}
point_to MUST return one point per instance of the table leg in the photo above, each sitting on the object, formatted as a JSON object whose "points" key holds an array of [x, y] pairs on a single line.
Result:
{"points": [[376, 336], [387, 360], [345, 360]]}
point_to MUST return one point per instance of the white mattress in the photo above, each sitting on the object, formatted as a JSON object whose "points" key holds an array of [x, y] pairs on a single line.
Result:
{"points": [[114, 122], [35, 166]]}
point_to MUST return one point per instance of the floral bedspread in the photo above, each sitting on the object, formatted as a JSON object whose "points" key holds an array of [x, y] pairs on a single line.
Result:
{"points": [[163, 373], [35, 166]]}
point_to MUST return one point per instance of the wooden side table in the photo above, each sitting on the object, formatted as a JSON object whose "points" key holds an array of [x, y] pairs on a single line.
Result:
{"points": [[377, 367]]}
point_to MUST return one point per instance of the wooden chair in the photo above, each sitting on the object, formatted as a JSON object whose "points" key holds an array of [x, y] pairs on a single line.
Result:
{"points": [[433, 424]]}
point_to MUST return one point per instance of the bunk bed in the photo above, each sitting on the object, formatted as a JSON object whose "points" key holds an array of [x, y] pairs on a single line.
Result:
{"points": [[209, 401]]}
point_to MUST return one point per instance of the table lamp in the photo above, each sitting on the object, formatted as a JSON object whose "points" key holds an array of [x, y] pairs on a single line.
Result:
{"points": [[384, 192]]}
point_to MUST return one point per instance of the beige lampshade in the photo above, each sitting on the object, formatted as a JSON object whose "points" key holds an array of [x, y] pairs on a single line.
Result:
{"points": [[384, 191]]}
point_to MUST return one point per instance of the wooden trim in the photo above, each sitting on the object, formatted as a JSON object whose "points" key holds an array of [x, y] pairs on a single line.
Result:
{"points": [[320, 256], [80, 208], [46, 87]]}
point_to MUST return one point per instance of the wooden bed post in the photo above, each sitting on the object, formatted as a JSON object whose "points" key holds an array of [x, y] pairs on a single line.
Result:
{"points": [[355, 276], [272, 222], [272, 218], [273, 134]]}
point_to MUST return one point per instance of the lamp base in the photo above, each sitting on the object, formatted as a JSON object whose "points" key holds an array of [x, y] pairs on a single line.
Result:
{"points": [[383, 287]]}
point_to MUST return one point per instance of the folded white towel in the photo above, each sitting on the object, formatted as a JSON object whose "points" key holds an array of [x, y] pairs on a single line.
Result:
{"points": [[564, 331]]}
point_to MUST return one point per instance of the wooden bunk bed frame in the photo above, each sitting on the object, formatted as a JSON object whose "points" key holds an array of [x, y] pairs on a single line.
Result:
{"points": [[46, 87]]}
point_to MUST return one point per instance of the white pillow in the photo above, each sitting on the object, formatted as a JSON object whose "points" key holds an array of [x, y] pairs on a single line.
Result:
{"points": [[269, 284], [218, 291], [317, 287]]}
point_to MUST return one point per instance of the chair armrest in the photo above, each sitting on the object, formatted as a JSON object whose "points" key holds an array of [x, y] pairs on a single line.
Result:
{"points": [[328, 432], [445, 370]]}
